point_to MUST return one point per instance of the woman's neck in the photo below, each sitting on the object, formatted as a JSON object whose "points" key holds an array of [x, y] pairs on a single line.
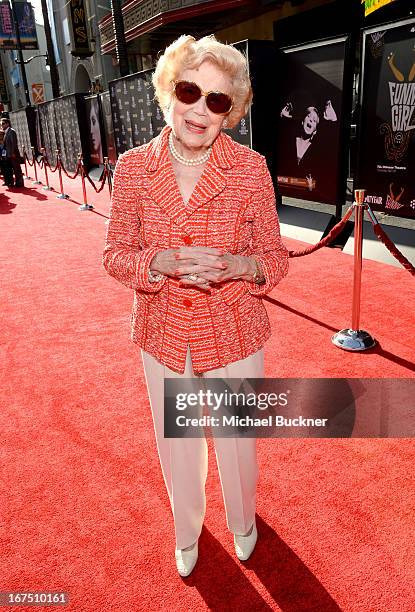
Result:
{"points": [[189, 153]]}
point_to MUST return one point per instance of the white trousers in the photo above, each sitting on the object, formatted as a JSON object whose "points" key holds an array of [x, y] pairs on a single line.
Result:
{"points": [[184, 461]]}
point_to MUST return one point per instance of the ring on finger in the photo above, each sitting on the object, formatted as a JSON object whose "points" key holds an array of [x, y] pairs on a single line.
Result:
{"points": [[192, 277]]}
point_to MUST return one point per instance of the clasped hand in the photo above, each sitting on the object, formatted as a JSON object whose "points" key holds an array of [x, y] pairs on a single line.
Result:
{"points": [[209, 265]]}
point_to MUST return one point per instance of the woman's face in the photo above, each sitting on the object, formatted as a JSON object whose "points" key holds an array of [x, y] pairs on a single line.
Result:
{"points": [[94, 127], [194, 125], [310, 122]]}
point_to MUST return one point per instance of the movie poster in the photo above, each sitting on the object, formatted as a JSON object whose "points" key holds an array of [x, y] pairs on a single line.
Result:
{"points": [[309, 141], [387, 142], [94, 131], [108, 127]]}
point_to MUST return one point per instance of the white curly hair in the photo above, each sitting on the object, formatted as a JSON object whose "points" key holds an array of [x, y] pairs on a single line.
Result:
{"points": [[188, 53]]}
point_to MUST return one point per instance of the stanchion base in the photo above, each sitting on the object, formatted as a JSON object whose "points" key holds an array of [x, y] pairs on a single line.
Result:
{"points": [[62, 196], [26, 178], [353, 340], [46, 188], [86, 207], [36, 182]]}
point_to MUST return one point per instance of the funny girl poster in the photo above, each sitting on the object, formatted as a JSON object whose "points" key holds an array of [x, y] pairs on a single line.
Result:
{"points": [[386, 166]]}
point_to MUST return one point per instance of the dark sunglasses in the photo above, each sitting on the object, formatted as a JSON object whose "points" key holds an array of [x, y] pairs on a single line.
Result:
{"points": [[189, 93]]}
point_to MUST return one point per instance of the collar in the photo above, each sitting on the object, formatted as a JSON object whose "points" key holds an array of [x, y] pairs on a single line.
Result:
{"points": [[222, 156]]}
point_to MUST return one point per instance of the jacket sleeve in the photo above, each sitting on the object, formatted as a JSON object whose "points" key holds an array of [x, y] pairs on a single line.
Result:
{"points": [[122, 257], [267, 246], [13, 143]]}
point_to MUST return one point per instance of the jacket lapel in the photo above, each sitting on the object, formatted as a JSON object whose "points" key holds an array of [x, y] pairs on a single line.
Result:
{"points": [[163, 186], [210, 184]]}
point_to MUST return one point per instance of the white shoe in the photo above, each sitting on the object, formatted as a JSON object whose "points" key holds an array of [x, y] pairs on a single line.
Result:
{"points": [[186, 559], [244, 545]]}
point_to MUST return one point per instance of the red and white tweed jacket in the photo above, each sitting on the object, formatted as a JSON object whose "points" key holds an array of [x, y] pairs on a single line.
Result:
{"points": [[232, 207]]}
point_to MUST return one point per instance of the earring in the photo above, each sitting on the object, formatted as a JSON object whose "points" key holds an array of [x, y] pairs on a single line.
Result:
{"points": [[225, 123]]}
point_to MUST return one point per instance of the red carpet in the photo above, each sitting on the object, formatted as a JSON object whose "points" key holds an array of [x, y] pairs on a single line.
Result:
{"points": [[83, 507]]}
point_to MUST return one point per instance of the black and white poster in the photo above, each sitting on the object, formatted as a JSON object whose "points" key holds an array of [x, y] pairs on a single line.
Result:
{"points": [[95, 140], [386, 167], [108, 127], [310, 119]]}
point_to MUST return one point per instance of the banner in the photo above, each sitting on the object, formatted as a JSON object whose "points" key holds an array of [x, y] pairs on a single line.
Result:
{"points": [[373, 5], [26, 22], [7, 34], [387, 143], [27, 25], [310, 118]]}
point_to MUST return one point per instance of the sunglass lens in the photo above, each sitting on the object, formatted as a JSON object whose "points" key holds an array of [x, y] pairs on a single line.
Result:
{"points": [[186, 92], [218, 103]]}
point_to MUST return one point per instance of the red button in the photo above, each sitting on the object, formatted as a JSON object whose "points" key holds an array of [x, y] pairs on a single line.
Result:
{"points": [[187, 240], [187, 302]]}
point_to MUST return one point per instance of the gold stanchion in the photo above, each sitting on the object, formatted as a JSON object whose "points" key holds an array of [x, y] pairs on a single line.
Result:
{"points": [[62, 195], [356, 339], [47, 187], [85, 205], [109, 175], [36, 181]]}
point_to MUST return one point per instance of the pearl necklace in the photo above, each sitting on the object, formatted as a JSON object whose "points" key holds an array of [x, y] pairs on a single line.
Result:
{"points": [[187, 162]]}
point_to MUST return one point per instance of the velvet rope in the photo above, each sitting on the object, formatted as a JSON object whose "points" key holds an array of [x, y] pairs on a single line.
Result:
{"points": [[28, 160], [384, 238], [333, 233], [75, 174], [50, 167], [101, 180]]}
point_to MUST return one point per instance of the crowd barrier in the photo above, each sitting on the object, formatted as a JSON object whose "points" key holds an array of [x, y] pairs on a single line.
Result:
{"points": [[378, 231], [354, 338], [41, 161]]}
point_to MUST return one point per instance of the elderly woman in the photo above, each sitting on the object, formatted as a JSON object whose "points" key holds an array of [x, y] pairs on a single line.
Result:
{"points": [[194, 231]]}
